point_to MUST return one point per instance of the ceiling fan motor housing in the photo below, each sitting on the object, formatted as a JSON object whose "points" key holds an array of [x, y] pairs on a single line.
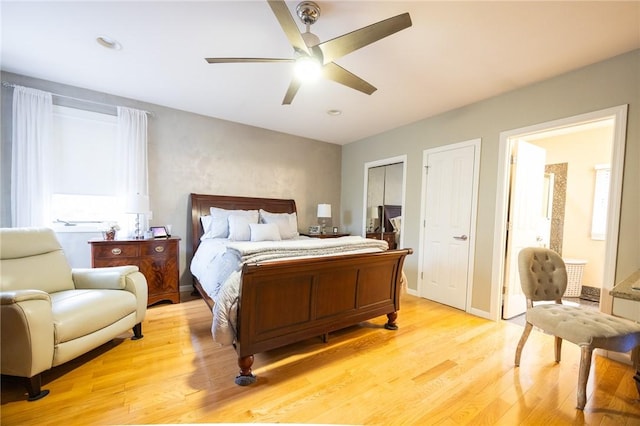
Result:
{"points": [[308, 12]]}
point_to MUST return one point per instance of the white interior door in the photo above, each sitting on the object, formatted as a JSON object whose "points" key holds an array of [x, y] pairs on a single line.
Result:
{"points": [[448, 211], [525, 219]]}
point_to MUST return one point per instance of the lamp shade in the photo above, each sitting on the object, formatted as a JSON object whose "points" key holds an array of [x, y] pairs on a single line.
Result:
{"points": [[373, 212], [324, 210], [137, 203]]}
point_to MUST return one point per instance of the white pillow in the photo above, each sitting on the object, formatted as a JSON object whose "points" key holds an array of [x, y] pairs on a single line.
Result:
{"points": [[239, 229], [287, 223], [264, 232], [206, 224], [219, 227]]}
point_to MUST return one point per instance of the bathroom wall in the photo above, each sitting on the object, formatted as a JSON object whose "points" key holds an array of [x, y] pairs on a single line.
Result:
{"points": [[581, 151]]}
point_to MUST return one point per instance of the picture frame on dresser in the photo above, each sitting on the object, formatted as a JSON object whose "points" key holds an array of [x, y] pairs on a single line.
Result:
{"points": [[159, 232], [314, 229]]}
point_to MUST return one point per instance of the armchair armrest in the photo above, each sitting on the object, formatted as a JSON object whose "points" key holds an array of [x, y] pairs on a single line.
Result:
{"points": [[11, 297], [26, 332], [127, 278], [102, 278]]}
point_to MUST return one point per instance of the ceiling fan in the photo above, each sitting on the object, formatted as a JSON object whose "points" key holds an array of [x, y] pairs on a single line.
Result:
{"points": [[309, 52]]}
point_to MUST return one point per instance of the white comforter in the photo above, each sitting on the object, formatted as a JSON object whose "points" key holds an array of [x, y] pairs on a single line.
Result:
{"points": [[218, 263]]}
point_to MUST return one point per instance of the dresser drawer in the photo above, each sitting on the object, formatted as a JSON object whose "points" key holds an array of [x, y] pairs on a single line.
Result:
{"points": [[156, 248], [115, 251]]}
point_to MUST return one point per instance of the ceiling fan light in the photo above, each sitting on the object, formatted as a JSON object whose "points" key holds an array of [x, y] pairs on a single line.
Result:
{"points": [[307, 69]]}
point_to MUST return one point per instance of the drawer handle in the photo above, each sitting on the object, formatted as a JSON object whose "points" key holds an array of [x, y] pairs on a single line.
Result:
{"points": [[159, 249], [116, 251]]}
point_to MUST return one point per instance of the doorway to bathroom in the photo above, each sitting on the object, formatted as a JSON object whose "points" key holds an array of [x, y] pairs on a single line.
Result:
{"points": [[562, 191]]}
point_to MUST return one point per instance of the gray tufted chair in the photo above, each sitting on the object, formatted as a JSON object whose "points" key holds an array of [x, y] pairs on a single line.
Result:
{"points": [[543, 277]]}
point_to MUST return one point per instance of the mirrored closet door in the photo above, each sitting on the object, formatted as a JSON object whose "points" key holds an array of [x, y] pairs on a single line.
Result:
{"points": [[383, 209]]}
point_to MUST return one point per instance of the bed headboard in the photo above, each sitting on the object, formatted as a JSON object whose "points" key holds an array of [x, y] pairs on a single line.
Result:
{"points": [[390, 211], [201, 203]]}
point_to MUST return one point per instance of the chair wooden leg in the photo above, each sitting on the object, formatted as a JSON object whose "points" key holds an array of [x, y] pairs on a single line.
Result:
{"points": [[558, 348], [523, 339], [137, 331], [33, 385], [583, 376]]}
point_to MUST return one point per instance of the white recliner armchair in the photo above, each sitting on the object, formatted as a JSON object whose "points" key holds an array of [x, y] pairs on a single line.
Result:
{"points": [[50, 313]]}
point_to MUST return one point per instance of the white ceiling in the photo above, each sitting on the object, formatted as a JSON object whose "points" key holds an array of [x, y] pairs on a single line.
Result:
{"points": [[455, 53]]}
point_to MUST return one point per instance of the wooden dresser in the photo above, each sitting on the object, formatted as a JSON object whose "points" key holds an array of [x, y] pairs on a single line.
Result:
{"points": [[157, 259], [389, 237]]}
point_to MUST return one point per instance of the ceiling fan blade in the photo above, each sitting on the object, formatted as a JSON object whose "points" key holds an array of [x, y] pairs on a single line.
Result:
{"points": [[347, 43], [335, 72], [291, 92], [238, 60], [279, 8]]}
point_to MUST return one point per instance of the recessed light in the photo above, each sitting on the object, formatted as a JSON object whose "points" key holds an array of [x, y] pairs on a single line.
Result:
{"points": [[334, 112], [108, 42]]}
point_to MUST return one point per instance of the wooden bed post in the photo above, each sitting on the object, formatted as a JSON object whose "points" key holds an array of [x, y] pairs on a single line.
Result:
{"points": [[391, 323], [246, 377]]}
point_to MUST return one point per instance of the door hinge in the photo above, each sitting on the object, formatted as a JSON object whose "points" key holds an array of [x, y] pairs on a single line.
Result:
{"points": [[514, 159], [426, 169]]}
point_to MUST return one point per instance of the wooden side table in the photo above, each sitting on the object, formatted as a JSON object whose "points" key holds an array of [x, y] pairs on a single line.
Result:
{"points": [[327, 235], [157, 259]]}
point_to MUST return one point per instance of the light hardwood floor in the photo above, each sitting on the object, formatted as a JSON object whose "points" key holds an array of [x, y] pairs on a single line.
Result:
{"points": [[442, 367]]}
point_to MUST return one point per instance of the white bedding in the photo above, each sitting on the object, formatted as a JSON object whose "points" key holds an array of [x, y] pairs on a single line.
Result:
{"points": [[217, 264]]}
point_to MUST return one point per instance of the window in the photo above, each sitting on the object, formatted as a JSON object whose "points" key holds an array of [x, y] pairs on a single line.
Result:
{"points": [[84, 163], [600, 201], [84, 180]]}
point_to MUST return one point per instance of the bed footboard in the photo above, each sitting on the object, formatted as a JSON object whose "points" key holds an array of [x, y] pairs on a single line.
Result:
{"points": [[288, 301]]}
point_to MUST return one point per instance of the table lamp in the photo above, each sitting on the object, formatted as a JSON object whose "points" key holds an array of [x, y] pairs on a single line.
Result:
{"points": [[324, 213], [138, 204]]}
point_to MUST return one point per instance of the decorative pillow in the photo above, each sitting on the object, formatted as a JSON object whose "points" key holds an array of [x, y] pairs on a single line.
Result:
{"points": [[206, 224], [239, 229], [396, 222], [219, 227], [287, 223], [264, 232]]}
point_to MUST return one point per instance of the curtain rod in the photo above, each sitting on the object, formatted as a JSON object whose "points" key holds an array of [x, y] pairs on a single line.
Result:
{"points": [[7, 84]]}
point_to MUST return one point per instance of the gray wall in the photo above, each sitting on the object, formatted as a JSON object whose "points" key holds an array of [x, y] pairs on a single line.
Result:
{"points": [[193, 153], [610, 83]]}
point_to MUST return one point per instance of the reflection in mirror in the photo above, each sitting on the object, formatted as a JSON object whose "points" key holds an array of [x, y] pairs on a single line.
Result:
{"points": [[547, 195], [384, 202], [375, 197]]}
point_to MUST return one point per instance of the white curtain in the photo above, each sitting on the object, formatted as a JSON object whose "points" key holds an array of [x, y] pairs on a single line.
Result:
{"points": [[132, 151], [30, 154], [132, 155]]}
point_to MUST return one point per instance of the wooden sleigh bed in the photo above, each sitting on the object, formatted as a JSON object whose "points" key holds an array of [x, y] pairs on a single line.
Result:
{"points": [[292, 300]]}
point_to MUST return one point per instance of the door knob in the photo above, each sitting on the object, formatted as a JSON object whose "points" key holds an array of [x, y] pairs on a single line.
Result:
{"points": [[461, 237]]}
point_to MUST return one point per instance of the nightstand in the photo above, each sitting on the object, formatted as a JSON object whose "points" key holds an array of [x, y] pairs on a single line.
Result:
{"points": [[389, 237], [327, 235], [157, 259]]}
